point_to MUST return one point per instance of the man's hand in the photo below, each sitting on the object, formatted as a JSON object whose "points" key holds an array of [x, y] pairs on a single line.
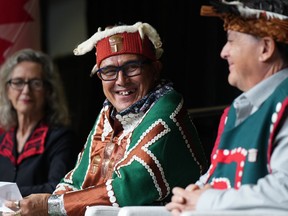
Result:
{"points": [[34, 204], [185, 199]]}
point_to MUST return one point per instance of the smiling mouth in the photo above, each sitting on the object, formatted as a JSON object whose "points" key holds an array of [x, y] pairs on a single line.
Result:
{"points": [[125, 93]]}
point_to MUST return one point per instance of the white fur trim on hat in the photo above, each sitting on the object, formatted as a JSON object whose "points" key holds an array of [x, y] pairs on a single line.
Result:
{"points": [[142, 28]]}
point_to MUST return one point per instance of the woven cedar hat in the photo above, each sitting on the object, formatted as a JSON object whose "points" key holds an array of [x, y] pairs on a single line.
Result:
{"points": [[140, 38], [256, 17]]}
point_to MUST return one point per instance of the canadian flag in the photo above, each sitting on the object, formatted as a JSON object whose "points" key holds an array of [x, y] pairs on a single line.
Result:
{"points": [[19, 26]]}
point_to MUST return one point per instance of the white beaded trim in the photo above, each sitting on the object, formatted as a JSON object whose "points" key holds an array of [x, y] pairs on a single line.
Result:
{"points": [[274, 119], [153, 177], [221, 180], [232, 154], [110, 193], [129, 122], [107, 129], [174, 119], [275, 116], [63, 187], [145, 149]]}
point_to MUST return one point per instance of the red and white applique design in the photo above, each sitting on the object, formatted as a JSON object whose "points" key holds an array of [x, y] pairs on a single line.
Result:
{"points": [[225, 156]]}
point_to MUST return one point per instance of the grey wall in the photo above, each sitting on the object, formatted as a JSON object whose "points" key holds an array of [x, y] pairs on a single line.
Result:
{"points": [[66, 26]]}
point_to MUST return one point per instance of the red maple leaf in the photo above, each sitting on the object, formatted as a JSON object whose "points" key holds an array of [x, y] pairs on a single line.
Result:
{"points": [[4, 44], [13, 11]]}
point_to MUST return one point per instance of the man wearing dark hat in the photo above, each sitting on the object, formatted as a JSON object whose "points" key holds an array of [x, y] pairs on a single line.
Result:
{"points": [[249, 168], [143, 142]]}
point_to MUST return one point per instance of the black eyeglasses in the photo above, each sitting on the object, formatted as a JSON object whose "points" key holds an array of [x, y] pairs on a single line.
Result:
{"points": [[129, 69], [18, 84]]}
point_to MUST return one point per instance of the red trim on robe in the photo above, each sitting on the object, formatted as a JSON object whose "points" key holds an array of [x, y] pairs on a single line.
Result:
{"points": [[34, 145]]}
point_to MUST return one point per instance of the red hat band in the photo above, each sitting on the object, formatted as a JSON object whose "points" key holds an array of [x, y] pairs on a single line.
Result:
{"points": [[124, 43]]}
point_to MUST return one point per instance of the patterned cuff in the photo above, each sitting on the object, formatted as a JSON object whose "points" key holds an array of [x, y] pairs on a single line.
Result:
{"points": [[56, 205]]}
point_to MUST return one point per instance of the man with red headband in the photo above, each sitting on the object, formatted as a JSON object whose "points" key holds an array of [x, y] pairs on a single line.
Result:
{"points": [[143, 142], [249, 168]]}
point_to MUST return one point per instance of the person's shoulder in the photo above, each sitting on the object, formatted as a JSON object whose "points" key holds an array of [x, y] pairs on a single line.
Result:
{"points": [[169, 103], [172, 94], [60, 127], [170, 100], [61, 130]]}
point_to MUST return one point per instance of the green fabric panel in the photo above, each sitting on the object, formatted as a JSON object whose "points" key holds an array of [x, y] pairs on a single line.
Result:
{"points": [[170, 150], [252, 133]]}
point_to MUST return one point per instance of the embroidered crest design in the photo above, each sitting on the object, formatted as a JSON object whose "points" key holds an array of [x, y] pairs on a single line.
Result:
{"points": [[116, 43], [226, 156]]}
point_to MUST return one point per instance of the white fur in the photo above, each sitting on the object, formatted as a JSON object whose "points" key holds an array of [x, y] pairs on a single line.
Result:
{"points": [[142, 28]]}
